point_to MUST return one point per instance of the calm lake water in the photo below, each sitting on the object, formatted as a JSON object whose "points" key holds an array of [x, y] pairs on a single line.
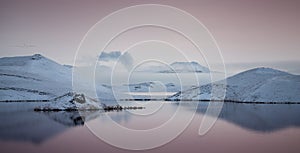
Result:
{"points": [[240, 128]]}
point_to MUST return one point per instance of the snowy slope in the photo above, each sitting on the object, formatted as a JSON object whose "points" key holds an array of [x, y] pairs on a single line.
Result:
{"points": [[37, 65], [255, 85], [32, 78], [71, 101], [39, 78], [176, 67]]}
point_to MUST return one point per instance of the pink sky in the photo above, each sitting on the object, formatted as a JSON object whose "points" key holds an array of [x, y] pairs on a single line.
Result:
{"points": [[246, 31]]}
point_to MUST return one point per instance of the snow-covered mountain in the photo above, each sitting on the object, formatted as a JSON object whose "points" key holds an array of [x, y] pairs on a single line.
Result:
{"points": [[33, 77], [188, 67], [176, 67], [255, 85], [38, 78]]}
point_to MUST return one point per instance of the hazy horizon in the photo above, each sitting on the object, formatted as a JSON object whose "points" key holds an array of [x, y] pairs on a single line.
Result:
{"points": [[249, 33]]}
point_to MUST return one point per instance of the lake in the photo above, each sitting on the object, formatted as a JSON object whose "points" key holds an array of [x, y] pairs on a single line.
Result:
{"points": [[239, 128]]}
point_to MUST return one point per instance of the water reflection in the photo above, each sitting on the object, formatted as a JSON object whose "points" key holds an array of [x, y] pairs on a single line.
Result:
{"points": [[37, 127], [259, 117], [71, 118]]}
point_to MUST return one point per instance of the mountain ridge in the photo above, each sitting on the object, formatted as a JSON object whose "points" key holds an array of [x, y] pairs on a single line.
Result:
{"points": [[176, 67], [254, 85]]}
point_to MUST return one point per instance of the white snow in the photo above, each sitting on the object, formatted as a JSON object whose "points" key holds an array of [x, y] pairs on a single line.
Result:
{"points": [[71, 101], [39, 78], [188, 67], [255, 85], [176, 67], [32, 78]]}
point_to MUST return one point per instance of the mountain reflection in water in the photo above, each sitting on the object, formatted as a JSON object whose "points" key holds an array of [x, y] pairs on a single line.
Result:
{"points": [[36, 127]]}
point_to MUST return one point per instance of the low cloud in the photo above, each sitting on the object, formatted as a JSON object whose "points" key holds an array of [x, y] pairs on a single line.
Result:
{"points": [[125, 59], [109, 56]]}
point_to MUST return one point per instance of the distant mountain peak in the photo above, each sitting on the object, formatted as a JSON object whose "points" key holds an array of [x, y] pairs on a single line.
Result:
{"points": [[188, 67], [37, 57], [176, 67], [265, 70], [192, 62]]}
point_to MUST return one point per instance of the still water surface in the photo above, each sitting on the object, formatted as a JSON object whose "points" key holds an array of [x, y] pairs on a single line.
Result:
{"points": [[240, 128]]}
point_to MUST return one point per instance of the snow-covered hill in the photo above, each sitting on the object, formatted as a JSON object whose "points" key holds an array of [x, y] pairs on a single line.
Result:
{"points": [[176, 67], [255, 85], [33, 77], [38, 78], [71, 101]]}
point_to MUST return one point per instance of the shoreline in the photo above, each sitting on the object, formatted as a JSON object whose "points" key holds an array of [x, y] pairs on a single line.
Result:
{"points": [[149, 99]]}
